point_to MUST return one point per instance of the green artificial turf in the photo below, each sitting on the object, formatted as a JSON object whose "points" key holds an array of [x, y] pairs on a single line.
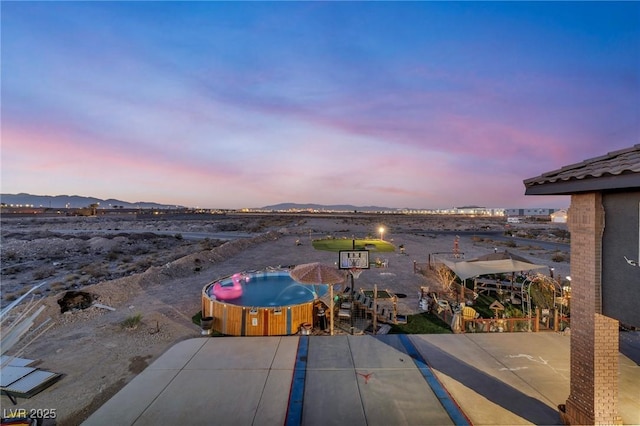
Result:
{"points": [[423, 323], [334, 244]]}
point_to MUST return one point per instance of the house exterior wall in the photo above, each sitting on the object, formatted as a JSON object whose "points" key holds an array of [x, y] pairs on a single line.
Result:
{"points": [[621, 241], [593, 397]]}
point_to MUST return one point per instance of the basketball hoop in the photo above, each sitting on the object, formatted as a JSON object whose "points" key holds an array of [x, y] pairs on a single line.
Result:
{"points": [[355, 272]]}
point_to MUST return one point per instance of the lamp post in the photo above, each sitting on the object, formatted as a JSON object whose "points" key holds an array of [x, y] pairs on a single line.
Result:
{"points": [[381, 232], [566, 290]]}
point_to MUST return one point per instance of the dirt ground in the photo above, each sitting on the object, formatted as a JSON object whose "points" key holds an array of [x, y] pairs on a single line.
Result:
{"points": [[156, 269]]}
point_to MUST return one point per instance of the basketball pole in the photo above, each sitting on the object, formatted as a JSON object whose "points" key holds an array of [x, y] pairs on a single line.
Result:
{"points": [[352, 304], [332, 303], [375, 308], [353, 247]]}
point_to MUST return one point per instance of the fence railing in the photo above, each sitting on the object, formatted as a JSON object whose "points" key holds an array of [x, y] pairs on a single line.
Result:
{"points": [[499, 325]]}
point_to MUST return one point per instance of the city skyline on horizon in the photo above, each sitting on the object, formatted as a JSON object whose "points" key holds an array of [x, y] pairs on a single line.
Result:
{"points": [[239, 105], [86, 201]]}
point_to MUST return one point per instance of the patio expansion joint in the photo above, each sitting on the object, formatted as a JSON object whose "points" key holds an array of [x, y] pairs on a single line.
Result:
{"points": [[268, 370]]}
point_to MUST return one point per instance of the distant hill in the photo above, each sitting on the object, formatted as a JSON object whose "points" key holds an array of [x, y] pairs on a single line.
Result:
{"points": [[75, 201], [320, 207]]}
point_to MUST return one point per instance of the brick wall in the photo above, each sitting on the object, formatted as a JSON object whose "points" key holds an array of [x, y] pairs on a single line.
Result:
{"points": [[593, 395]]}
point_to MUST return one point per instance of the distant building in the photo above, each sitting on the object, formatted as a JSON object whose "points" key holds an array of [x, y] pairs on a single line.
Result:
{"points": [[559, 216], [535, 213]]}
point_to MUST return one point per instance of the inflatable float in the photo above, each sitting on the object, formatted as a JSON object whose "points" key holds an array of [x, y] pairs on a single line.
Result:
{"points": [[228, 292]]}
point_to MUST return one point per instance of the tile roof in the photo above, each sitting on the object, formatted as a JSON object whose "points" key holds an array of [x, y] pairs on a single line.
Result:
{"points": [[616, 163]]}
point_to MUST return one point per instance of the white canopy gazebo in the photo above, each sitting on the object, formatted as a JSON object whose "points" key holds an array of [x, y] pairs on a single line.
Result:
{"points": [[474, 268]]}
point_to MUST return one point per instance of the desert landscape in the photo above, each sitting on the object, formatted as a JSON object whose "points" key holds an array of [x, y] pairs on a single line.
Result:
{"points": [[153, 270]]}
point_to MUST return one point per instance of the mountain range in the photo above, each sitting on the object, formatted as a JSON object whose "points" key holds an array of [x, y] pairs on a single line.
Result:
{"points": [[78, 201], [321, 207]]}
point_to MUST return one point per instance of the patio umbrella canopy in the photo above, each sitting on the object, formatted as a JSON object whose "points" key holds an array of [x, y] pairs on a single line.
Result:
{"points": [[317, 273]]}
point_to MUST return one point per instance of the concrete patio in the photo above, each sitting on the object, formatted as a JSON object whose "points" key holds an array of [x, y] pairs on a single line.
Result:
{"points": [[480, 379]]}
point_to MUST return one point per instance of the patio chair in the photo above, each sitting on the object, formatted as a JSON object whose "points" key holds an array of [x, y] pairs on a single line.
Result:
{"points": [[370, 305], [382, 315], [344, 313], [401, 319]]}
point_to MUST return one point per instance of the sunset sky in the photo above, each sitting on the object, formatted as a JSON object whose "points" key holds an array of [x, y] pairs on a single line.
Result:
{"points": [[234, 104]]}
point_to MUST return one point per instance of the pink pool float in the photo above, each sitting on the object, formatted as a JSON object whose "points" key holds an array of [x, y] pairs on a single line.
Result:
{"points": [[229, 292]]}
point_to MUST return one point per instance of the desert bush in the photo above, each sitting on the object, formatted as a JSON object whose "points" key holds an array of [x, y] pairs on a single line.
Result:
{"points": [[94, 270], [11, 255], [445, 277], [71, 278], [558, 257], [13, 296], [113, 254], [132, 322], [561, 233], [11, 270], [57, 286], [208, 244], [44, 272], [510, 243], [143, 263]]}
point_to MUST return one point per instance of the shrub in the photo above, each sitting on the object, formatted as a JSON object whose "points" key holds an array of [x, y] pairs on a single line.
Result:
{"points": [[94, 270], [58, 286], [13, 296], [132, 322], [112, 255], [207, 244], [11, 255], [43, 273], [558, 257], [143, 263]]}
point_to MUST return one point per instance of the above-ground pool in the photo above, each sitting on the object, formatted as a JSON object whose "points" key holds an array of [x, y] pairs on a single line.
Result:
{"points": [[270, 304]]}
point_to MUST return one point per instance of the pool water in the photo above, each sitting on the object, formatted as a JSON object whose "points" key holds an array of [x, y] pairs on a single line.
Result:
{"points": [[275, 289]]}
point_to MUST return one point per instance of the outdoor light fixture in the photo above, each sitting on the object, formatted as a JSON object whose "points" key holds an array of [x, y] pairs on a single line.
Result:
{"points": [[381, 232]]}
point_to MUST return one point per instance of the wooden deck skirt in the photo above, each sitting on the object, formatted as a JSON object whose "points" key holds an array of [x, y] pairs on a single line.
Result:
{"points": [[237, 320]]}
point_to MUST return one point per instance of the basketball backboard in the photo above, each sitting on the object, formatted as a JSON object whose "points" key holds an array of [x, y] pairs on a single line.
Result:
{"points": [[354, 259]]}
